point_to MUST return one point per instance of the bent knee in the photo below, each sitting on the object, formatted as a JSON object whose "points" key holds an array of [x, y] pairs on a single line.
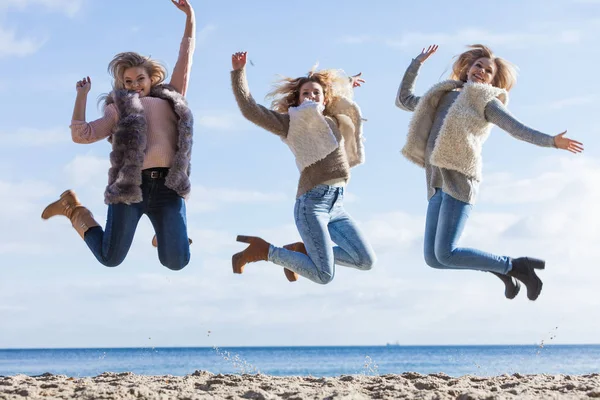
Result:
{"points": [[432, 261], [443, 257], [176, 263], [368, 263], [111, 263], [324, 278]]}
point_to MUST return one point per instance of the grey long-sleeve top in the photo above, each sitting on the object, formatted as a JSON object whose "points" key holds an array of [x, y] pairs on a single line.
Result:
{"points": [[449, 181]]}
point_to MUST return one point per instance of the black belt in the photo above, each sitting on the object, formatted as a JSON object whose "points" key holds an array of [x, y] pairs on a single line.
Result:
{"points": [[155, 173]]}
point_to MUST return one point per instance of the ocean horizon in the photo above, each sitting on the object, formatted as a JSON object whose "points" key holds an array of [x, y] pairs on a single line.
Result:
{"points": [[318, 361]]}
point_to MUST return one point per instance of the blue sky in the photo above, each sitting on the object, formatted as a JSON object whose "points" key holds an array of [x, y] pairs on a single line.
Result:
{"points": [[534, 201]]}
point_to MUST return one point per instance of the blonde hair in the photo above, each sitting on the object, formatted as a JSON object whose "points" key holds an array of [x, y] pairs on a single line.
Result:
{"points": [[286, 91], [506, 72], [123, 61]]}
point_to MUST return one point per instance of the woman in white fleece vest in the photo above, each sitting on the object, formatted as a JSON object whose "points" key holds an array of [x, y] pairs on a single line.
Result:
{"points": [[446, 134]]}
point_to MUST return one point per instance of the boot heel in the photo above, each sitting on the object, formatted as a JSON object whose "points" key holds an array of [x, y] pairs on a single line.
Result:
{"points": [[243, 239], [536, 263]]}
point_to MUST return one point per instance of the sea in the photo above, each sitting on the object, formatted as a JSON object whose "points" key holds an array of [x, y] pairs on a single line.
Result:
{"points": [[322, 361]]}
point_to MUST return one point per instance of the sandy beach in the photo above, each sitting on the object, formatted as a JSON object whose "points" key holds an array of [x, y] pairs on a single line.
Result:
{"points": [[205, 385]]}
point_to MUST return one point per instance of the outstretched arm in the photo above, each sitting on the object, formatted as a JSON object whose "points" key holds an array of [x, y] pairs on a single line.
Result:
{"points": [[405, 98], [270, 120], [181, 73], [498, 114]]}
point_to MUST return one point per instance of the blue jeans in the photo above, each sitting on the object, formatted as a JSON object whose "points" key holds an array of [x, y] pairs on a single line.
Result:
{"points": [[446, 219], [166, 210], [322, 221]]}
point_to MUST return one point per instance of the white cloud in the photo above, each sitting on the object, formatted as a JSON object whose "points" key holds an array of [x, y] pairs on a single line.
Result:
{"points": [[87, 170], [10, 45], [472, 35], [68, 7], [34, 137], [203, 34], [22, 198], [220, 121], [207, 199], [400, 299], [572, 102]]}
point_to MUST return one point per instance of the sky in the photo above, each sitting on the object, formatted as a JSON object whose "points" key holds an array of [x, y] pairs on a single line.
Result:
{"points": [[534, 201]]}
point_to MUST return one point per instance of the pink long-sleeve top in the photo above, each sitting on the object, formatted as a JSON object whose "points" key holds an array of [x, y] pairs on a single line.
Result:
{"points": [[160, 117]]}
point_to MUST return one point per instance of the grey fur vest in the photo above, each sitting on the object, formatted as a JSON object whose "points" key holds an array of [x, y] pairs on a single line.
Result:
{"points": [[463, 132], [129, 145]]}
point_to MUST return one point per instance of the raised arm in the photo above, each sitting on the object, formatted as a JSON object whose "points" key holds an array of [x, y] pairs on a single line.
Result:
{"points": [[84, 132], [498, 114], [181, 73], [405, 98], [270, 120]]}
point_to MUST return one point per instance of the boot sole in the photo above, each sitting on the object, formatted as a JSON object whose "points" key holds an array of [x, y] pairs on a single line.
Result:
{"points": [[537, 264], [234, 259], [538, 291], [517, 285]]}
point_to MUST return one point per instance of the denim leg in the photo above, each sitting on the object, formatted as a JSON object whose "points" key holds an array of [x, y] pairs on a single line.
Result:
{"points": [[167, 212], [312, 217], [110, 247], [431, 227], [453, 217], [352, 250]]}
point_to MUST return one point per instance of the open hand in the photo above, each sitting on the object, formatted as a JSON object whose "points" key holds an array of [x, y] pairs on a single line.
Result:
{"points": [[357, 80], [238, 60], [83, 86], [561, 142], [425, 54], [183, 5]]}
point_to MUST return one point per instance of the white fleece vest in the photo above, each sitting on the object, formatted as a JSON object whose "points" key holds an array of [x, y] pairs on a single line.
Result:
{"points": [[310, 137], [463, 132]]}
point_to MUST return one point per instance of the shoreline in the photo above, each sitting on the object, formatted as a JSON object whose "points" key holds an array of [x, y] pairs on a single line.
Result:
{"points": [[206, 385]]}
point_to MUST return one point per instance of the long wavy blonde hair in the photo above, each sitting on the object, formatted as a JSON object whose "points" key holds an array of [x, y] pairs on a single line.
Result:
{"points": [[123, 61], [286, 91], [506, 72]]}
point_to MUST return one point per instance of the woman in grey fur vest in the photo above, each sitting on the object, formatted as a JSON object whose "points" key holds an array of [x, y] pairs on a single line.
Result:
{"points": [[451, 122], [149, 125], [315, 116]]}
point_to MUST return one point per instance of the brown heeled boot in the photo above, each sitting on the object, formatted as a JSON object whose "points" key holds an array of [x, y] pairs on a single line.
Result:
{"points": [[257, 251], [68, 205], [298, 247], [155, 242]]}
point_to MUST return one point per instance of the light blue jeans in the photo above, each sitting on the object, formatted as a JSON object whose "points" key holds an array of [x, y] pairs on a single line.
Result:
{"points": [[446, 219], [322, 221]]}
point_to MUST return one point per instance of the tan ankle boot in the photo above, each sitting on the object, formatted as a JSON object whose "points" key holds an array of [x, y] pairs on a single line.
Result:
{"points": [[63, 206], [257, 251], [68, 205], [298, 247], [155, 241]]}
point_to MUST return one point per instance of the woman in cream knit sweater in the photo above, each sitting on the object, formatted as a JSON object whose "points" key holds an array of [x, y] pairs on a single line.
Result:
{"points": [[315, 117], [451, 122]]}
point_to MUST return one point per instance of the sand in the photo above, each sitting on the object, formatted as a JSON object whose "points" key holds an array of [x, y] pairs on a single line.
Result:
{"points": [[205, 385]]}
